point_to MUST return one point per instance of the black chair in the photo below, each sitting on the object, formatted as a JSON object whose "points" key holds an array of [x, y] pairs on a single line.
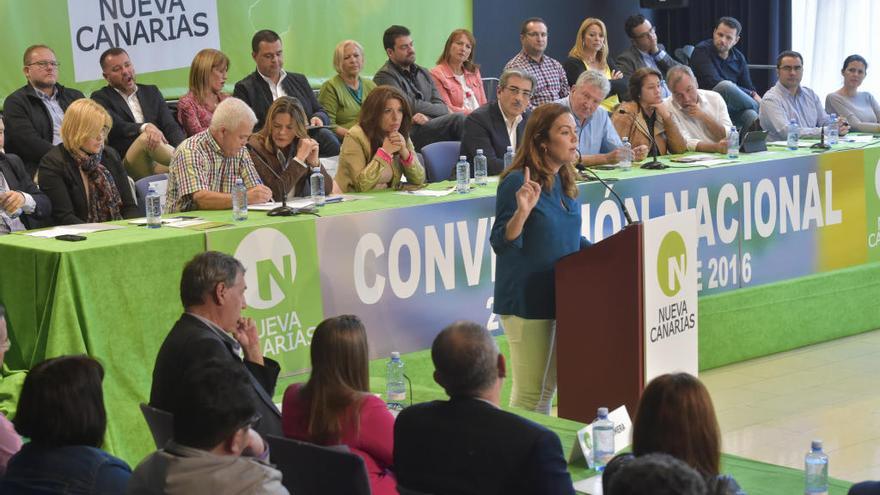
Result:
{"points": [[161, 424], [490, 86], [310, 469], [142, 187], [684, 54]]}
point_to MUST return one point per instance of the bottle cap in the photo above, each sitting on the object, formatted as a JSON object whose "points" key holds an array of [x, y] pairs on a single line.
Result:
{"points": [[603, 412], [395, 355], [510, 148], [479, 151], [462, 158], [816, 445]]}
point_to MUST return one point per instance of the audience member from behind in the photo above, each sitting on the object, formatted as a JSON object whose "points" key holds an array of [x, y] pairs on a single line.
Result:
{"points": [[336, 407], [646, 120], [22, 203], [284, 154], [207, 75], [644, 51], [456, 75], [700, 114], [35, 111], [787, 100], [675, 416], [85, 179], [551, 82], [212, 290], [144, 131], [431, 119], [598, 142], [537, 222], [61, 410], [859, 108], [10, 442], [865, 488], [214, 450], [270, 82], [468, 445], [378, 150], [205, 166], [343, 94], [657, 474], [499, 124], [590, 52], [722, 68]]}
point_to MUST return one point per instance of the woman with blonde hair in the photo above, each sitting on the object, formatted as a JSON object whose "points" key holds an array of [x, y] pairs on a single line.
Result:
{"points": [[207, 75], [84, 179], [590, 52], [456, 76], [343, 94]]}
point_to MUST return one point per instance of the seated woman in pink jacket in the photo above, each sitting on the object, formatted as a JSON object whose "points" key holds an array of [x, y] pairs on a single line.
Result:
{"points": [[336, 407], [456, 75]]}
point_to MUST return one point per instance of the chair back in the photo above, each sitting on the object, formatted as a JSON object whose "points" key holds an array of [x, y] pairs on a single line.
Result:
{"points": [[440, 159], [161, 424], [490, 86], [684, 54], [310, 469], [142, 186]]}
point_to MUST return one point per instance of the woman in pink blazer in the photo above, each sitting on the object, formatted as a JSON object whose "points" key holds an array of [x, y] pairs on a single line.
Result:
{"points": [[456, 75]]}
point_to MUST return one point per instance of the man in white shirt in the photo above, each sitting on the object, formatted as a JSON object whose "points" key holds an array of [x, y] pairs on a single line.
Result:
{"points": [[700, 114]]}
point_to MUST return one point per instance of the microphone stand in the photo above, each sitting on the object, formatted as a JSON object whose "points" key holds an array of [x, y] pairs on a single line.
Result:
{"points": [[629, 220], [279, 211], [654, 164], [821, 144]]}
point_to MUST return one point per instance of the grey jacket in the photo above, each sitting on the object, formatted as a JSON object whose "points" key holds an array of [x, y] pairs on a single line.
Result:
{"points": [[630, 60], [417, 85]]}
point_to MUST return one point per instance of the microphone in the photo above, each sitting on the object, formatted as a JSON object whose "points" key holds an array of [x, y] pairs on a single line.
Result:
{"points": [[654, 164], [629, 220], [279, 211], [821, 144]]}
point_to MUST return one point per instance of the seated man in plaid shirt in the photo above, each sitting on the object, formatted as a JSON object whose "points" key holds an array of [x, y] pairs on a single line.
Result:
{"points": [[205, 166], [552, 82]]}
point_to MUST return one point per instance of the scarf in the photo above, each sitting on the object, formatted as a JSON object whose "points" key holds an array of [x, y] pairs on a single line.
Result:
{"points": [[105, 202]]}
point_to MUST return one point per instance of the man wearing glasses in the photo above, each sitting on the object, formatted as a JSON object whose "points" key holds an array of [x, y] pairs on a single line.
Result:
{"points": [[644, 51], [550, 80], [787, 100], [499, 124], [34, 112]]}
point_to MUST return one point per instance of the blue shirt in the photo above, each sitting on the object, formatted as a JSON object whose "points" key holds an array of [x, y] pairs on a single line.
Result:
{"points": [[596, 134], [650, 62], [55, 111], [778, 107], [524, 273], [73, 470], [711, 69]]}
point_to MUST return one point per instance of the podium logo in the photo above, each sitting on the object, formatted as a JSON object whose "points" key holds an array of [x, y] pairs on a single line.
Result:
{"points": [[671, 263], [270, 264]]}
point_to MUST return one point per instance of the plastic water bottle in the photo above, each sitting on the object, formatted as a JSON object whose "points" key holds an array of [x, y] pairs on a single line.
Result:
{"points": [[395, 385], [733, 143], [508, 157], [794, 132], [816, 470], [831, 133], [603, 439], [626, 163], [153, 205], [239, 201], [316, 186], [462, 175], [481, 169]]}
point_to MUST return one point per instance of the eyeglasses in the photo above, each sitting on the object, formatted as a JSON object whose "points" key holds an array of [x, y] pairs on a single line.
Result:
{"points": [[535, 34], [516, 91], [46, 64], [650, 32], [791, 68]]}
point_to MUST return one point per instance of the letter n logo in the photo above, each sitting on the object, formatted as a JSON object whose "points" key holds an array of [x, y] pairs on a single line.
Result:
{"points": [[671, 263]]}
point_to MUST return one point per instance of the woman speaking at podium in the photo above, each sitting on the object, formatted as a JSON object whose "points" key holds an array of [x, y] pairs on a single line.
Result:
{"points": [[537, 222]]}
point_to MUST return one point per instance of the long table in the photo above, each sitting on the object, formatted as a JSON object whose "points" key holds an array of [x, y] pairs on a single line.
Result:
{"points": [[788, 254]]}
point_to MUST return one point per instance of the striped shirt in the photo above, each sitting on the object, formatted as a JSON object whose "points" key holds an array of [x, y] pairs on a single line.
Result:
{"points": [[199, 165], [552, 82]]}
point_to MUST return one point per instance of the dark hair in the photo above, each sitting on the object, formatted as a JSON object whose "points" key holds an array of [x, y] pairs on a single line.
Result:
{"points": [[530, 154], [633, 22], [466, 359], [468, 64], [370, 118], [202, 274], [391, 35], [675, 416], [110, 52], [788, 53], [854, 58], [730, 22], [638, 79], [657, 474], [214, 400], [523, 28], [340, 377], [263, 35], [62, 403]]}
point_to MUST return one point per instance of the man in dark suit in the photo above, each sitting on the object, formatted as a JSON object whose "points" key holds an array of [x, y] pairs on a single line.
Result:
{"points": [[212, 291], [467, 445], [144, 131], [22, 204], [499, 124], [644, 51], [35, 111], [270, 82]]}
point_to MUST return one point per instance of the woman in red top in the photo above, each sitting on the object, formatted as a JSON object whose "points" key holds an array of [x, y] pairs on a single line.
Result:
{"points": [[456, 76], [335, 405]]}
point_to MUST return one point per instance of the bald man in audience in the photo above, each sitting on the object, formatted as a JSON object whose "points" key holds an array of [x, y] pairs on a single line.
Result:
{"points": [[701, 114]]}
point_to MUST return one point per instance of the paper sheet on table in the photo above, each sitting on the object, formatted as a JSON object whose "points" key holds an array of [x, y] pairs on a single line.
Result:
{"points": [[801, 143], [717, 161], [78, 229], [295, 204], [861, 138], [428, 192], [590, 486]]}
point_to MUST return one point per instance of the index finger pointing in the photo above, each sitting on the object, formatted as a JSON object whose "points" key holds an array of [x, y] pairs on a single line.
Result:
{"points": [[526, 174]]}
